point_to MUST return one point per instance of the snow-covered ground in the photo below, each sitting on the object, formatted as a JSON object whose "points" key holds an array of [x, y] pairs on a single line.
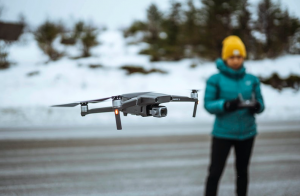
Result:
{"points": [[25, 100]]}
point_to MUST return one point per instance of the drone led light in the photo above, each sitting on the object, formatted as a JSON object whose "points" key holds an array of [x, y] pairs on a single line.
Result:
{"points": [[116, 111]]}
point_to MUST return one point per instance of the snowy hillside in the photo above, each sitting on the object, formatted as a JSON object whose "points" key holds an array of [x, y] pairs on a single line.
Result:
{"points": [[25, 99]]}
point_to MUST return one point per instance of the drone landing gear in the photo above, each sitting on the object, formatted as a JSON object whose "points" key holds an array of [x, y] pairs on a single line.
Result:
{"points": [[118, 119], [195, 108]]}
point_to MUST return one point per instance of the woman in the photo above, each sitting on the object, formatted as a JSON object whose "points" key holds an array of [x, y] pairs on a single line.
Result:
{"points": [[233, 126]]}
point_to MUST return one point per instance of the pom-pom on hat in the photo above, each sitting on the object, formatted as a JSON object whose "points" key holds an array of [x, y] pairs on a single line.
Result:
{"points": [[233, 46]]}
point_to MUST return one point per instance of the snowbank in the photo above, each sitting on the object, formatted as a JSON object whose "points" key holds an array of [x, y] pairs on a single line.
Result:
{"points": [[25, 100]]}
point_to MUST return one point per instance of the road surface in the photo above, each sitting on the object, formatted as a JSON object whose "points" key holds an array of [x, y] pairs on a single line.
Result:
{"points": [[143, 166]]}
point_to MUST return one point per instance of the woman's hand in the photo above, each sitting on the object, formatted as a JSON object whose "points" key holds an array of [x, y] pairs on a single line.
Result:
{"points": [[231, 105], [255, 108]]}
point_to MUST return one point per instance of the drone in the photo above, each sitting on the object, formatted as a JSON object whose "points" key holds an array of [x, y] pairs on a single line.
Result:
{"points": [[141, 104]]}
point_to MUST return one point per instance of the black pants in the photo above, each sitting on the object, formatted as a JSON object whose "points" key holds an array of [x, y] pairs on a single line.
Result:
{"points": [[220, 149]]}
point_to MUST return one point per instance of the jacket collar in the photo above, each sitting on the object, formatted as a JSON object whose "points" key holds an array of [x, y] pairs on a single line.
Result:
{"points": [[229, 71]]}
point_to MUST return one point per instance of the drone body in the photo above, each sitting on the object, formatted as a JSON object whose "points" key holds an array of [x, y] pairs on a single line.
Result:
{"points": [[140, 104]]}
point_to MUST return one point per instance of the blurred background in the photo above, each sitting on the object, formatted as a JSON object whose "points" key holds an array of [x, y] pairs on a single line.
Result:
{"points": [[55, 52], [66, 51]]}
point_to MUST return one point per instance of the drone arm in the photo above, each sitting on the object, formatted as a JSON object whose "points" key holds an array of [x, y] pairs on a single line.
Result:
{"points": [[186, 99], [182, 99], [100, 110]]}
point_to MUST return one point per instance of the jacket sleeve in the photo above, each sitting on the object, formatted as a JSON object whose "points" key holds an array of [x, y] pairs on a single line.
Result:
{"points": [[211, 102], [258, 95]]}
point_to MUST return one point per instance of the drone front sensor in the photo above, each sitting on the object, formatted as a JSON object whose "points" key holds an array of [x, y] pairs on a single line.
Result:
{"points": [[141, 104]]}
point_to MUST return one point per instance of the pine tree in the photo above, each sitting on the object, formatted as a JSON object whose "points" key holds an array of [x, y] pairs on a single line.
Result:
{"points": [[244, 29], [217, 24], [136, 26], [191, 29], [84, 35], [172, 24], [287, 31], [267, 12], [277, 26], [152, 29], [154, 17], [45, 35], [200, 32], [88, 40], [163, 34], [172, 27]]}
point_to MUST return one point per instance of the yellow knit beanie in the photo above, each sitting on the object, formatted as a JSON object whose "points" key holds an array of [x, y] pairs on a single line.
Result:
{"points": [[233, 46]]}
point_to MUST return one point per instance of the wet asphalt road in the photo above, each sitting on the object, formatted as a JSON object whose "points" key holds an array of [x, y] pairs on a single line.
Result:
{"points": [[143, 166]]}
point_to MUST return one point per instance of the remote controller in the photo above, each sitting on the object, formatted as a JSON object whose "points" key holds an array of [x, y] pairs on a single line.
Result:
{"points": [[247, 103]]}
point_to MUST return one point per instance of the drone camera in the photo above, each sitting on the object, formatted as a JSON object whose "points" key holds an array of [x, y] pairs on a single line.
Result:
{"points": [[159, 111]]}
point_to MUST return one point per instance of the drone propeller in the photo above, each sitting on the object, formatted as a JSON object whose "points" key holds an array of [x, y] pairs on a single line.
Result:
{"points": [[80, 102], [66, 105], [195, 90]]}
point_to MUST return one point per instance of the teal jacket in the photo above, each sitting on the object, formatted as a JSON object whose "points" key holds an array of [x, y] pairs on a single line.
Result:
{"points": [[226, 85]]}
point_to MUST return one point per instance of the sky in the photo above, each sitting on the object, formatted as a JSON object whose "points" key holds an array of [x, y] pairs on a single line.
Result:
{"points": [[113, 14]]}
